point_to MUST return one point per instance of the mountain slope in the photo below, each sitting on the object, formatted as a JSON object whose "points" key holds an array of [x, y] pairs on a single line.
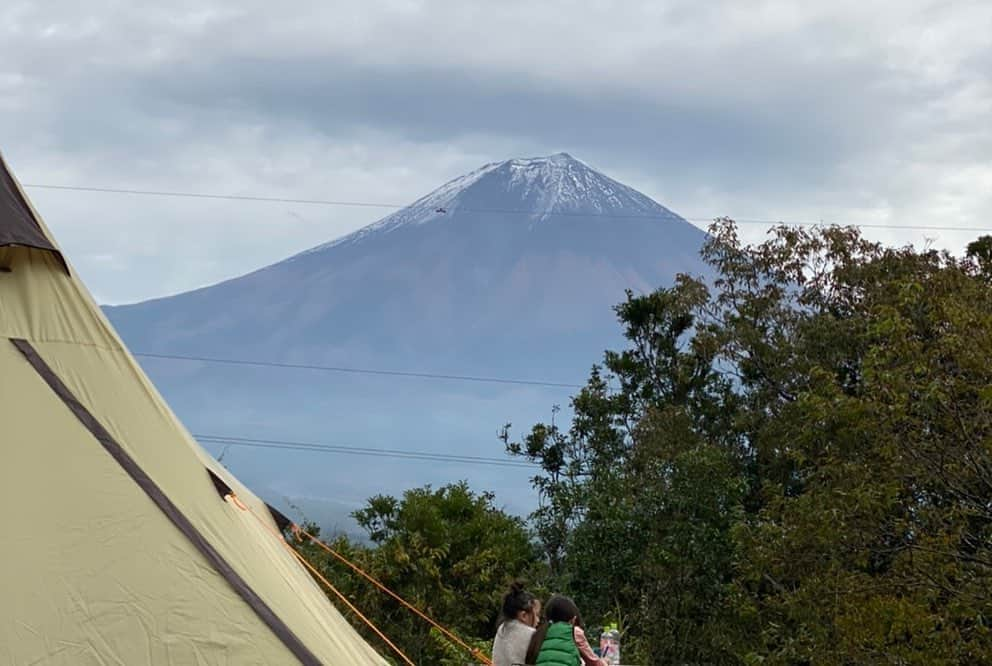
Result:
{"points": [[511, 270], [512, 254]]}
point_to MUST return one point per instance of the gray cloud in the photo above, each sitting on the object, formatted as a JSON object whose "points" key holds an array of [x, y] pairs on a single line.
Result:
{"points": [[838, 111]]}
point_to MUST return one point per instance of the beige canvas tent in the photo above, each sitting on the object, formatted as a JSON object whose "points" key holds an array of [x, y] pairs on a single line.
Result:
{"points": [[117, 544]]}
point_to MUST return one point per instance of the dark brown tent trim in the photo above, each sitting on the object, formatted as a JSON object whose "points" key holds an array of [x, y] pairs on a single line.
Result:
{"points": [[282, 521], [222, 488], [267, 615], [18, 227]]}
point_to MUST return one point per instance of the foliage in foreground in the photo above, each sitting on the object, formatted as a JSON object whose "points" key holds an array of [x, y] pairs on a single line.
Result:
{"points": [[449, 551], [791, 464]]}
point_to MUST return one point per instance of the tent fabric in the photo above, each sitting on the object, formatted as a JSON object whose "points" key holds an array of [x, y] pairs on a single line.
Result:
{"points": [[154, 493], [94, 572]]}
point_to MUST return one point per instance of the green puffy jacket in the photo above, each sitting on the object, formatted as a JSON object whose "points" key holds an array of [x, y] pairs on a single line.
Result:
{"points": [[559, 648]]}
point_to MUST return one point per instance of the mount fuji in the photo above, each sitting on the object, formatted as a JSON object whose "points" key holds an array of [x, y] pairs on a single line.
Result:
{"points": [[511, 270]]}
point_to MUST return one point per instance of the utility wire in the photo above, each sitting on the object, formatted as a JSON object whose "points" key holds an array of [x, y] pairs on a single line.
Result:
{"points": [[362, 451], [359, 371], [499, 211], [198, 195]]}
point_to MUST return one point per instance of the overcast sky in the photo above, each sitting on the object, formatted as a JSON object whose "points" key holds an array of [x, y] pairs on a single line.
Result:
{"points": [[872, 112]]}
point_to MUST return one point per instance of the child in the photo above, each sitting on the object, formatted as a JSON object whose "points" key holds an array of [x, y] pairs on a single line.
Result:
{"points": [[520, 613], [561, 641]]}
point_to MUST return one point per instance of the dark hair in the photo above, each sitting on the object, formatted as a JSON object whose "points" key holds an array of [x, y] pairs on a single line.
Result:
{"points": [[516, 600], [559, 609]]}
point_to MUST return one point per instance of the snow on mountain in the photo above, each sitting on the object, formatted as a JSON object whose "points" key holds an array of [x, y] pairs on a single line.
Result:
{"points": [[545, 186], [421, 211]]}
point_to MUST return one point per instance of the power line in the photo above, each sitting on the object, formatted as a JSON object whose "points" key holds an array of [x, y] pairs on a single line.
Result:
{"points": [[498, 211], [199, 195], [362, 204], [359, 371], [362, 451]]}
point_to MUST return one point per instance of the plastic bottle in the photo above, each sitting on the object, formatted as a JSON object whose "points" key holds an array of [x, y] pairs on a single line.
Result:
{"points": [[609, 643]]}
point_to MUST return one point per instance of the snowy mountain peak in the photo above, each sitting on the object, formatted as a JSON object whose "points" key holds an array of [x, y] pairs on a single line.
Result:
{"points": [[562, 184], [559, 160], [528, 190]]}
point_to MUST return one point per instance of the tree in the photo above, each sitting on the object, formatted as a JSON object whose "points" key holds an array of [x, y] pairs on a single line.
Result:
{"points": [[871, 537], [643, 488], [796, 457], [980, 250], [450, 552]]}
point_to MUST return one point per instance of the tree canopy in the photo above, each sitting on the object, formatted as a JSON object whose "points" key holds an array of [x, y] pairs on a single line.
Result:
{"points": [[790, 462], [448, 551]]}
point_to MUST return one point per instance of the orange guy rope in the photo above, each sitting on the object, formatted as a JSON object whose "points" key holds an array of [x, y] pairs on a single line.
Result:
{"points": [[351, 606], [475, 652], [244, 507]]}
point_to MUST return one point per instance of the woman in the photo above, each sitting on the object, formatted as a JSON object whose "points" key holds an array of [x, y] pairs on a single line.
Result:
{"points": [[521, 610], [561, 641]]}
